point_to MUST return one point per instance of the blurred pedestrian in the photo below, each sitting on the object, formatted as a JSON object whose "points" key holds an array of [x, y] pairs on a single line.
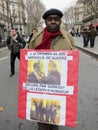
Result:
{"points": [[52, 37], [72, 33], [14, 42], [85, 35], [92, 35], [77, 33], [34, 31]]}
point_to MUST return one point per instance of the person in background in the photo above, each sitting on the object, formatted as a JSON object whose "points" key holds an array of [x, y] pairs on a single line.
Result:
{"points": [[52, 37], [85, 35], [14, 42], [34, 31], [72, 33], [77, 33], [92, 35]]}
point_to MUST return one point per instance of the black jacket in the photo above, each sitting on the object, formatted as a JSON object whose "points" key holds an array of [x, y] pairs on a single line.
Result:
{"points": [[19, 39]]}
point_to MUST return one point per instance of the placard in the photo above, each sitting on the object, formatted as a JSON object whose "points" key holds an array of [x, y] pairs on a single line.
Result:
{"points": [[48, 86]]}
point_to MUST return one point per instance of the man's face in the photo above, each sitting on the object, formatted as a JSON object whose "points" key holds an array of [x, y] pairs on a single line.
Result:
{"points": [[53, 23], [34, 31], [51, 66], [13, 33], [37, 69]]}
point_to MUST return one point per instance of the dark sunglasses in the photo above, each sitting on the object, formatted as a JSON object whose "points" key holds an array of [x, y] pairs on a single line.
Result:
{"points": [[53, 18]]}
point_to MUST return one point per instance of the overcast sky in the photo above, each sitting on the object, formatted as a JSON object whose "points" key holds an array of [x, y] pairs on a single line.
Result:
{"points": [[59, 4]]}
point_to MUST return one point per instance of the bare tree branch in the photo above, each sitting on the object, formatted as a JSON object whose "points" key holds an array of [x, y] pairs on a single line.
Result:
{"points": [[34, 10]]}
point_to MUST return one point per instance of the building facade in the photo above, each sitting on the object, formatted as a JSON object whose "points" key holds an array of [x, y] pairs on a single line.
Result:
{"points": [[12, 15], [90, 12], [78, 12], [17, 15], [4, 18]]}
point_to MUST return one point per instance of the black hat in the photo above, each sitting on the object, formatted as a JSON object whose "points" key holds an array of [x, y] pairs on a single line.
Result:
{"points": [[52, 12]]}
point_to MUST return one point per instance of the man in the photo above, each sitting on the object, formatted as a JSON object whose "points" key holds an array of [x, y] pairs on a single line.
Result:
{"points": [[85, 33], [14, 43], [52, 38], [53, 76], [92, 35], [34, 31], [35, 76]]}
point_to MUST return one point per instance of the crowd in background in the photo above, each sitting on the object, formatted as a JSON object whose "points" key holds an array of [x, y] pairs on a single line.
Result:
{"points": [[88, 33]]}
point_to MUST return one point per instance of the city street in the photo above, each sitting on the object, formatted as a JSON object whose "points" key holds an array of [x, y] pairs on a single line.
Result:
{"points": [[79, 18], [87, 116]]}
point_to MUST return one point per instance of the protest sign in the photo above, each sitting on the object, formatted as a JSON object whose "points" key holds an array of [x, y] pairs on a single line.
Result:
{"points": [[48, 86]]}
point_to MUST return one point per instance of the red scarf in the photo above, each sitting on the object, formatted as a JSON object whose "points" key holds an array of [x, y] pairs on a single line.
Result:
{"points": [[46, 40]]}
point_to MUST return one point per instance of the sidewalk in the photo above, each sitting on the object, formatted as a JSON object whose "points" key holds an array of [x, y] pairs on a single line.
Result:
{"points": [[92, 51]]}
